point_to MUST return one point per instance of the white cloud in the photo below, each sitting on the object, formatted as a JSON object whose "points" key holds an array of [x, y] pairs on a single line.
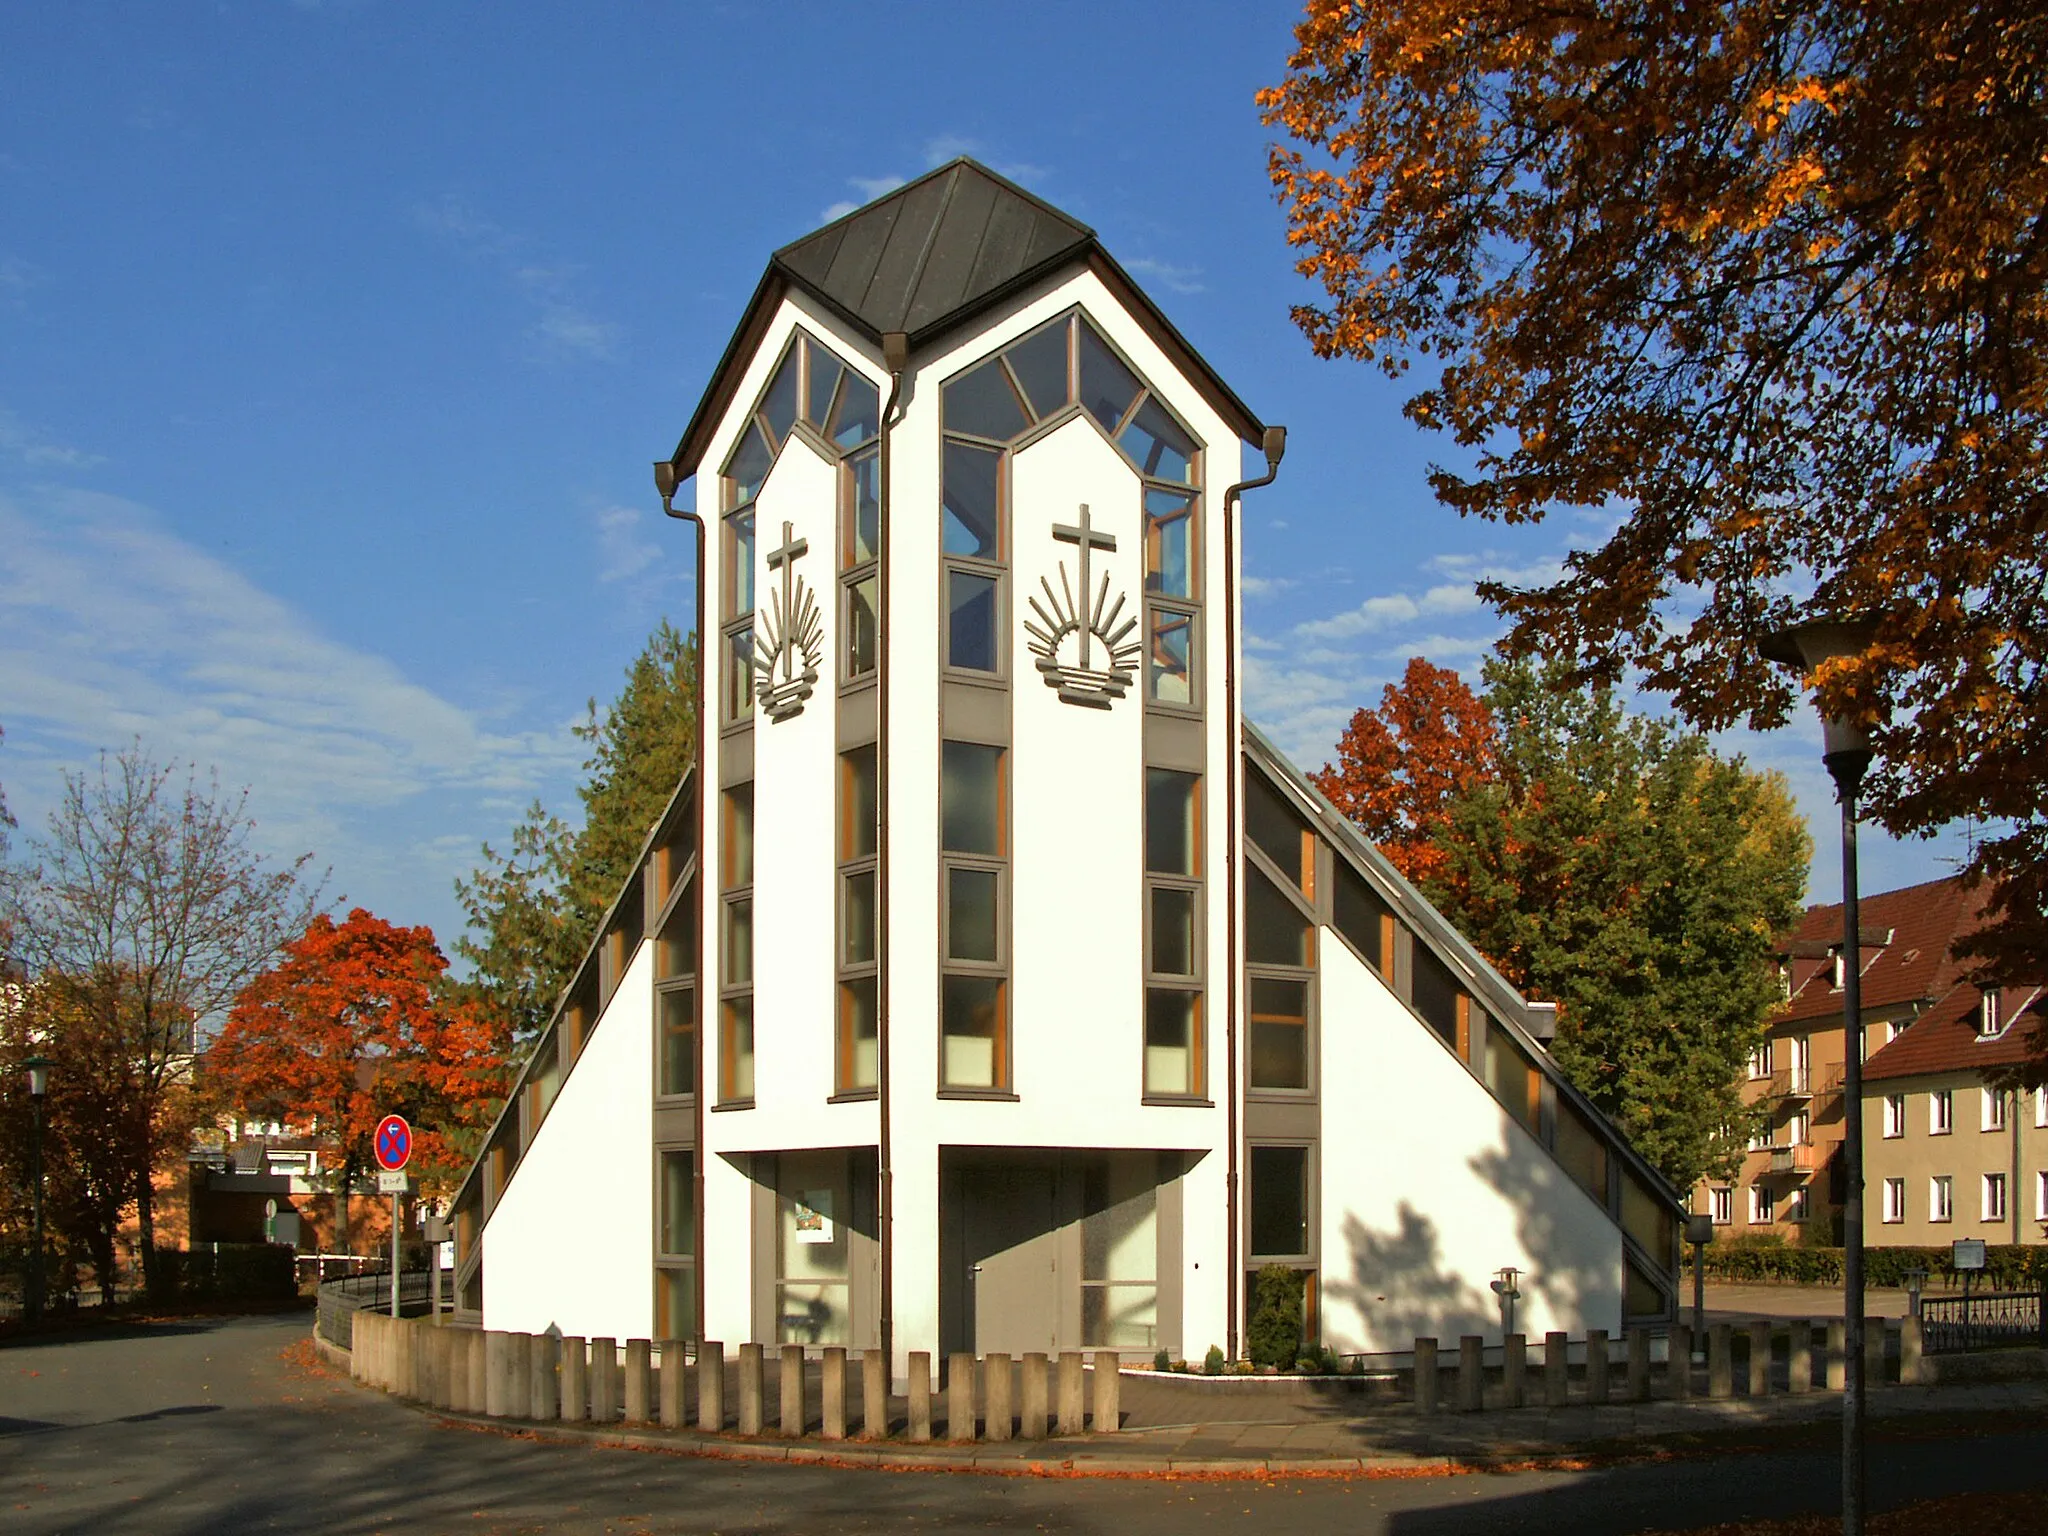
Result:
{"points": [[34, 446], [562, 326], [1266, 586], [624, 550], [1179, 279], [112, 627]]}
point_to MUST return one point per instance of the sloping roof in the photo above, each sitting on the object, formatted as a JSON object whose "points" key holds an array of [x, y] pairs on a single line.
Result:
{"points": [[1916, 966], [943, 247], [928, 258], [1945, 1038]]}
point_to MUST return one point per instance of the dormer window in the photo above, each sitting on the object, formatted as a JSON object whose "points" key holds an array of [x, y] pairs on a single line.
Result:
{"points": [[1990, 1017], [1841, 968]]}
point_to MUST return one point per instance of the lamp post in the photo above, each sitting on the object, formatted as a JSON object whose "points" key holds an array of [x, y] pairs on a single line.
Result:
{"points": [[1846, 752], [38, 1069]]}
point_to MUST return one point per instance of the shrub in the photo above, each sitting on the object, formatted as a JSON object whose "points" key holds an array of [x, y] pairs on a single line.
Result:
{"points": [[1162, 1361], [1212, 1362], [1274, 1337], [2006, 1266], [228, 1272]]}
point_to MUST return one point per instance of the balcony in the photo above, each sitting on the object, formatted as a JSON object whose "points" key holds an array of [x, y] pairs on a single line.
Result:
{"points": [[1796, 1158], [1795, 1084]]}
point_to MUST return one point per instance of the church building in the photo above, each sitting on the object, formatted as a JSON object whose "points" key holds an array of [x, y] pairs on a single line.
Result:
{"points": [[990, 983]]}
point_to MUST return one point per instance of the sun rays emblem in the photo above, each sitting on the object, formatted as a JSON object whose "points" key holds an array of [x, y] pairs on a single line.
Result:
{"points": [[792, 637], [1090, 621]]}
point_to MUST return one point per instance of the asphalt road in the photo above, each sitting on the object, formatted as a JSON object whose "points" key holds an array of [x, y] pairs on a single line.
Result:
{"points": [[218, 1426]]}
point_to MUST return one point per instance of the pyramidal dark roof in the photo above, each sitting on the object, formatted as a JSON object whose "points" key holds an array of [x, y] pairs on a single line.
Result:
{"points": [[928, 257], [934, 251]]}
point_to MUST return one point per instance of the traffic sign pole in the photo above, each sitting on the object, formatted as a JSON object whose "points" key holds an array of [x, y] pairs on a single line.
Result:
{"points": [[393, 1146]]}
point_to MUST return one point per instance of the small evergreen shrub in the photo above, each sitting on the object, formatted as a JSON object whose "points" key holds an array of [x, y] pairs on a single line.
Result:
{"points": [[1212, 1362], [1162, 1361], [1274, 1337]]}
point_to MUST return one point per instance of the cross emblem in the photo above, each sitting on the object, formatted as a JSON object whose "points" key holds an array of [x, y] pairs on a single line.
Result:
{"points": [[1089, 538], [784, 560]]}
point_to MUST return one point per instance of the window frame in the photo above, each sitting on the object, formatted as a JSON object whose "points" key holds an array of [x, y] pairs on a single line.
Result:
{"points": [[1894, 1116], [1193, 984], [735, 890], [1307, 1257], [1893, 1196], [1941, 1202], [1721, 1205], [1002, 1051], [1991, 1109], [1992, 1196], [1941, 1112], [852, 863]]}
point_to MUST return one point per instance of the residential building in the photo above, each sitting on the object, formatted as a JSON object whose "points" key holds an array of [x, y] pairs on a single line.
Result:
{"points": [[998, 987], [1918, 1039]]}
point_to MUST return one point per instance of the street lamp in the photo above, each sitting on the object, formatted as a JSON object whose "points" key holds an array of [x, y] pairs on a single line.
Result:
{"points": [[1846, 752], [38, 1069]]}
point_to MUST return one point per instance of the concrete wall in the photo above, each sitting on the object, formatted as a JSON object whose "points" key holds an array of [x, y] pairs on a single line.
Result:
{"points": [[572, 1241], [1428, 1187]]}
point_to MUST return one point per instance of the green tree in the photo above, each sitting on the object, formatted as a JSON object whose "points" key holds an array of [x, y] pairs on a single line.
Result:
{"points": [[534, 908], [1621, 869]]}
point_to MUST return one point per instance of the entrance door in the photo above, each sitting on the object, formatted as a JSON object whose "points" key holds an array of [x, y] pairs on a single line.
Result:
{"points": [[1010, 1242]]}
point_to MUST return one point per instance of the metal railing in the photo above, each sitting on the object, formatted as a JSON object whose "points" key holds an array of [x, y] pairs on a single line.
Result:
{"points": [[1990, 1320], [340, 1300]]}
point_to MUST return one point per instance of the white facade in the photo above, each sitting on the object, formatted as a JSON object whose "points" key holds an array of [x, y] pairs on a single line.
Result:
{"points": [[1014, 1179]]}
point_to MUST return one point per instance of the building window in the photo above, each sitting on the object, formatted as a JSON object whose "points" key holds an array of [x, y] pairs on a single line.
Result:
{"points": [[1798, 1130], [1990, 1019], [1064, 369], [1994, 1197], [1279, 1204], [974, 1045], [1941, 1198], [736, 955], [1796, 1205], [2041, 1195], [1802, 1056], [1174, 934], [1894, 1114], [675, 964], [860, 549], [1941, 1112], [1763, 1205], [1721, 1205], [1760, 1062], [1120, 1253], [2040, 1108], [856, 1054], [1894, 1199], [1993, 1109], [675, 1262]]}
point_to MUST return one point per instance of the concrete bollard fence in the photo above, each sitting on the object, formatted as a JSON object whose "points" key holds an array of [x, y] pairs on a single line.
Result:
{"points": [[995, 1395], [1721, 1360], [1678, 1362], [960, 1397], [1799, 1356], [1837, 1354], [639, 1389], [789, 1393], [711, 1386], [604, 1381], [1638, 1365], [1910, 1344], [1760, 1336], [575, 1399], [478, 1372], [1596, 1366], [874, 1394], [1557, 1379], [544, 1377], [675, 1383], [919, 1389], [1072, 1402], [752, 1389], [1471, 1373], [832, 1394], [1425, 1376], [1109, 1415], [1514, 1369], [1034, 1416]]}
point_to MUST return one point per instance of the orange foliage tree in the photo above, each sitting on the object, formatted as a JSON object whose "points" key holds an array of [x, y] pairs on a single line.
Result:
{"points": [[1399, 769], [1770, 282], [354, 1023]]}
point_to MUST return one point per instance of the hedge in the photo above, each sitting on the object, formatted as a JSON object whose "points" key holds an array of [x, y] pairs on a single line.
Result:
{"points": [[2006, 1265], [229, 1272]]}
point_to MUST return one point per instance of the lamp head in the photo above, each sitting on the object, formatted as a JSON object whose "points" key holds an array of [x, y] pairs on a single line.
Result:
{"points": [[1699, 1230], [1810, 646], [38, 1069]]}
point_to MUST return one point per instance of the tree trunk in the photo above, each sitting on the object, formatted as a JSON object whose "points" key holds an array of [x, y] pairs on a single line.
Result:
{"points": [[145, 1228], [341, 1188]]}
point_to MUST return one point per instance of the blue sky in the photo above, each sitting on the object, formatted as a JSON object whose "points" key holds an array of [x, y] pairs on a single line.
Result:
{"points": [[336, 340]]}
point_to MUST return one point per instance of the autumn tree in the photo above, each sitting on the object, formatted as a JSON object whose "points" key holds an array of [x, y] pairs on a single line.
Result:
{"points": [[1399, 769], [534, 908], [146, 900], [353, 1023], [1763, 282]]}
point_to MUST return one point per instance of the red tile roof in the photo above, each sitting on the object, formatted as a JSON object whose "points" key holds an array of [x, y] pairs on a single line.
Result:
{"points": [[1913, 968]]}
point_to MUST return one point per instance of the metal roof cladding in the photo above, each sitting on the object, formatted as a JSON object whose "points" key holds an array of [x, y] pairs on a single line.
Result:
{"points": [[929, 257]]}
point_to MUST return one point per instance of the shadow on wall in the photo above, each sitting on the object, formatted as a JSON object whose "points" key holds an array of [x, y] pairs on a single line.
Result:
{"points": [[1403, 1286]]}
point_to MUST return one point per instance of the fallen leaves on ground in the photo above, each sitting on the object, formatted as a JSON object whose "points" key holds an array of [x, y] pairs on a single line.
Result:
{"points": [[1981, 1514]]}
